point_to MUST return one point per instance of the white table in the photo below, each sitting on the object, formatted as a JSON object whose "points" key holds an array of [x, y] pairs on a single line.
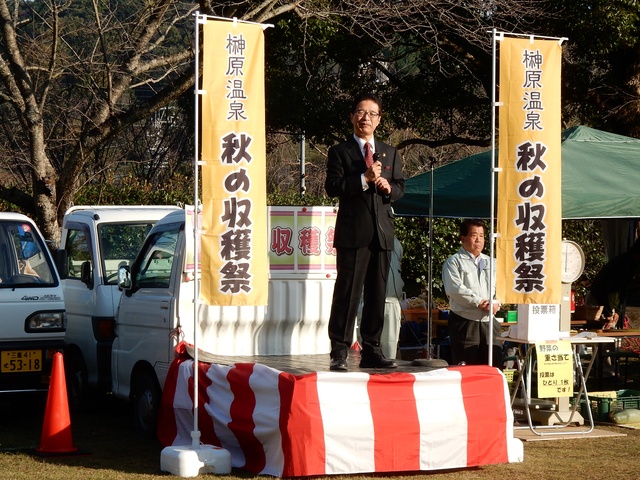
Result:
{"points": [[523, 382]]}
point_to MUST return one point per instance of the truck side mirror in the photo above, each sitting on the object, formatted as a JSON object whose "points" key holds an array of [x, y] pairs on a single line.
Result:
{"points": [[60, 258], [124, 277], [85, 274]]}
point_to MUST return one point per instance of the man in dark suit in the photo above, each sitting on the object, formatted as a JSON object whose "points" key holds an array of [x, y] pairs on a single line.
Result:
{"points": [[366, 175]]}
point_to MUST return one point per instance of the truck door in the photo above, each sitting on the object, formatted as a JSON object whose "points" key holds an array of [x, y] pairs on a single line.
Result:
{"points": [[147, 312], [80, 298]]}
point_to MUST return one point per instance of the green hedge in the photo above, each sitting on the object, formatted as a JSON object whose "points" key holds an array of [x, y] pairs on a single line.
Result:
{"points": [[413, 232]]}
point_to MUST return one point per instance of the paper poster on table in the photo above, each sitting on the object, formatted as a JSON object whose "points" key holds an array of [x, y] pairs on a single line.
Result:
{"points": [[529, 214], [555, 369], [234, 230]]}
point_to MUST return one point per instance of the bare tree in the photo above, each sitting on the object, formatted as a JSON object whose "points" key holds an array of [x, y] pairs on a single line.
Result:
{"points": [[68, 87], [71, 72]]}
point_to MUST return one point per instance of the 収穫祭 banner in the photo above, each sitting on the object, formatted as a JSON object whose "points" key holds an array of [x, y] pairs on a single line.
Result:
{"points": [[529, 180], [234, 217]]}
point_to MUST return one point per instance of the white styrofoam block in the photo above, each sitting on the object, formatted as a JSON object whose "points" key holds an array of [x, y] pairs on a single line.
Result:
{"points": [[538, 322], [188, 461]]}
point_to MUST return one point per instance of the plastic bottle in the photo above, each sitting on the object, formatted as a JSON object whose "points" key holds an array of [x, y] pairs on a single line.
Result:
{"points": [[629, 415]]}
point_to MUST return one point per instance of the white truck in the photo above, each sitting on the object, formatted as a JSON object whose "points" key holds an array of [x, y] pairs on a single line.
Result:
{"points": [[157, 306], [96, 240], [32, 318]]}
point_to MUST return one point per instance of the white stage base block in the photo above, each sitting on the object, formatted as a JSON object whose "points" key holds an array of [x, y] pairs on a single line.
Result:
{"points": [[189, 461]]}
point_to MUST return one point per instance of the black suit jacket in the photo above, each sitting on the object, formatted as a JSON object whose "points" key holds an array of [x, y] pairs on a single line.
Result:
{"points": [[362, 212]]}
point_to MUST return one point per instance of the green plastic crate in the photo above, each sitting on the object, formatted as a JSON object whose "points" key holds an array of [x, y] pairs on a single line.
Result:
{"points": [[601, 407]]}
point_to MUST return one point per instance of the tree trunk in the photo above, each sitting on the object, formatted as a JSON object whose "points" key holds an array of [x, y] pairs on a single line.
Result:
{"points": [[44, 186]]}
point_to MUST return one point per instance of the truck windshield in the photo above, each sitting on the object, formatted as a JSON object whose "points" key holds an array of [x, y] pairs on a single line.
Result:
{"points": [[153, 269], [24, 261], [119, 244]]}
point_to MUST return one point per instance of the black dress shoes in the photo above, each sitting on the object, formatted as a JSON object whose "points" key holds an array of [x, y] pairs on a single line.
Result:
{"points": [[376, 361], [338, 364]]}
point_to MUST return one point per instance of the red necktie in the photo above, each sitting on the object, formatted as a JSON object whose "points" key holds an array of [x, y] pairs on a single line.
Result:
{"points": [[368, 154]]}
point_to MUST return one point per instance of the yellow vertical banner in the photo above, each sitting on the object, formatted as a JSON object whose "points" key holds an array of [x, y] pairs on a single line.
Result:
{"points": [[234, 212], [529, 216]]}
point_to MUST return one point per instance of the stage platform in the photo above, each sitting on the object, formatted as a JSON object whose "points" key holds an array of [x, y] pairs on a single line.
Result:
{"points": [[304, 364], [290, 416]]}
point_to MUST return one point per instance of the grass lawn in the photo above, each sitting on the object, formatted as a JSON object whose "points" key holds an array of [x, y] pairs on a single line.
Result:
{"points": [[111, 450]]}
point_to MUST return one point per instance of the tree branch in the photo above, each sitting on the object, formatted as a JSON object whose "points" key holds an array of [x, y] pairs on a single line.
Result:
{"points": [[472, 142]]}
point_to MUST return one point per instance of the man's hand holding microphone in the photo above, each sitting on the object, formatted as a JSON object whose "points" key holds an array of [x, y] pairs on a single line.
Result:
{"points": [[373, 175]]}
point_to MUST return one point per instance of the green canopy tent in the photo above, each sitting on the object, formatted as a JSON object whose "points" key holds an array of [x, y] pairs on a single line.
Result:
{"points": [[600, 180], [600, 173]]}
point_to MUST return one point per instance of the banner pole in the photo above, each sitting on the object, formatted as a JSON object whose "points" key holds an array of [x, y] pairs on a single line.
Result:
{"points": [[494, 105], [195, 434]]}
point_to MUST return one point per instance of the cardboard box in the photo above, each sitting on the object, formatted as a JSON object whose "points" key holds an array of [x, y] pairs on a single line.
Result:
{"points": [[538, 322], [587, 312], [419, 314]]}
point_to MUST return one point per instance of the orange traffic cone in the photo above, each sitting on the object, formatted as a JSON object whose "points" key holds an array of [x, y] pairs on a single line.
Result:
{"points": [[56, 430]]}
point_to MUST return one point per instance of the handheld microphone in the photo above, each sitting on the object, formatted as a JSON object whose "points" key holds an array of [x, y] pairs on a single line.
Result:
{"points": [[376, 158]]}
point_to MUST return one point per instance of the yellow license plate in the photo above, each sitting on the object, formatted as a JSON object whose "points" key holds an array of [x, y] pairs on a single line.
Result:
{"points": [[18, 361]]}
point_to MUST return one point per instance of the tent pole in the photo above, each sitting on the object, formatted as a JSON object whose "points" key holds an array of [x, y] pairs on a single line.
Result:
{"points": [[430, 280]]}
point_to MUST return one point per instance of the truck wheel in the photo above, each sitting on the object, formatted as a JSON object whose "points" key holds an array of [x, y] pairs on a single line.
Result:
{"points": [[146, 404], [76, 377]]}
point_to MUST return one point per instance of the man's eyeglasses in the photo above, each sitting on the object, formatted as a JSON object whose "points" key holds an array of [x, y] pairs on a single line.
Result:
{"points": [[362, 113]]}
